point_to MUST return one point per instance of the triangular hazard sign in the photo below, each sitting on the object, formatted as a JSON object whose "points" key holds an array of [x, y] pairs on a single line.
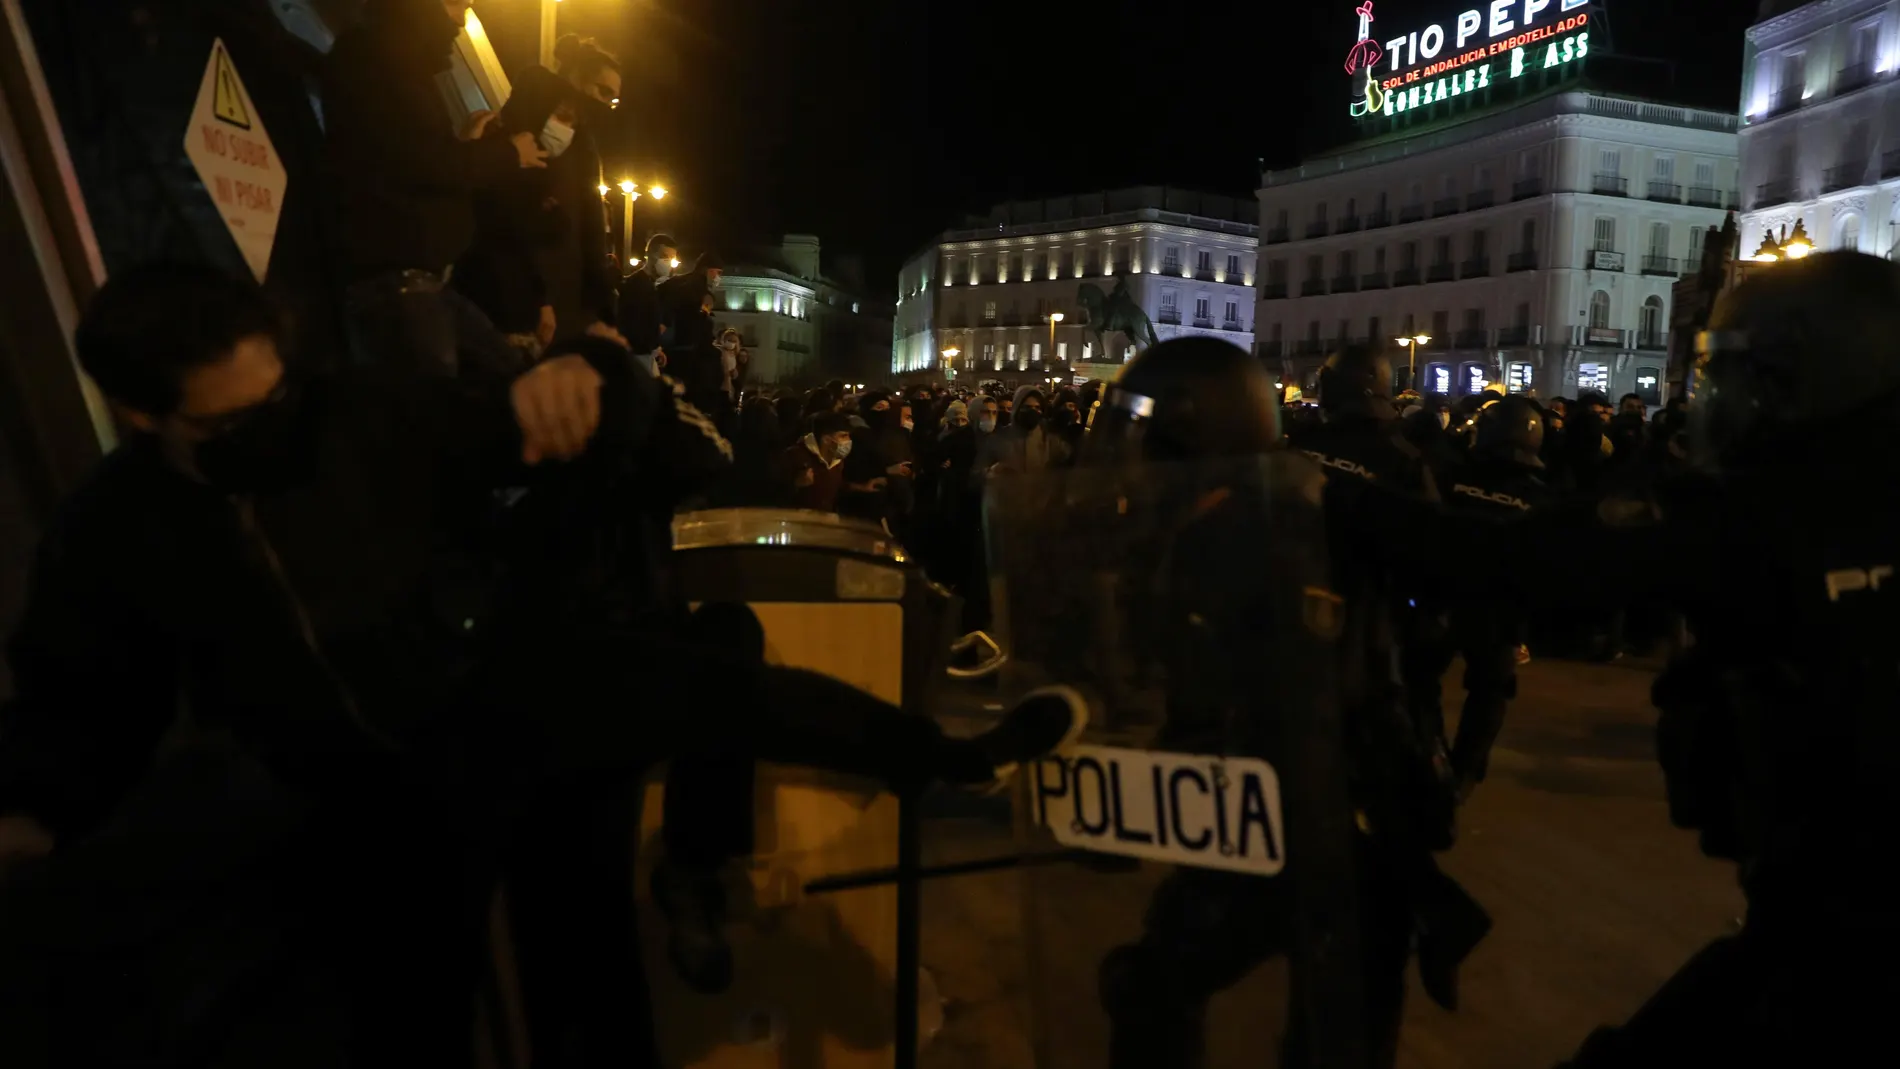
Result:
{"points": [[229, 104]]}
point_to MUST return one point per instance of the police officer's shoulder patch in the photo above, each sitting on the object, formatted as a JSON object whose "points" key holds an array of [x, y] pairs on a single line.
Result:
{"points": [[1323, 612]]}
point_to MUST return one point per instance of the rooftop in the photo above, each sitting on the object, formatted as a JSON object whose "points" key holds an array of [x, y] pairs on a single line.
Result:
{"points": [[1206, 211]]}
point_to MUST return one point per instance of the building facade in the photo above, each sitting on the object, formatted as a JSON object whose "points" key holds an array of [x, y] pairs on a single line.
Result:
{"points": [[989, 288], [801, 325], [1820, 134], [1535, 245]]}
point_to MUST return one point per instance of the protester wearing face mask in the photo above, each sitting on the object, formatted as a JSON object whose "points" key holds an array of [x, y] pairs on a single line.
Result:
{"points": [[1026, 446], [404, 187], [814, 466], [640, 303], [536, 267]]}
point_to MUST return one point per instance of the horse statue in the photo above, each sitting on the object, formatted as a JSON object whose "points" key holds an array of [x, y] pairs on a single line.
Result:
{"points": [[1115, 312]]}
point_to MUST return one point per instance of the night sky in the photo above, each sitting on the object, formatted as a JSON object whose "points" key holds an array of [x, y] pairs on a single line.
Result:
{"points": [[877, 124]]}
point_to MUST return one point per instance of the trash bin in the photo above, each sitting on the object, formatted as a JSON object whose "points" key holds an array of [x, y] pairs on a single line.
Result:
{"points": [[818, 979]]}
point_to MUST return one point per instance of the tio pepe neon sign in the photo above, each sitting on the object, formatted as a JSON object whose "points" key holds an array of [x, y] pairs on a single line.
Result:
{"points": [[1415, 77]]}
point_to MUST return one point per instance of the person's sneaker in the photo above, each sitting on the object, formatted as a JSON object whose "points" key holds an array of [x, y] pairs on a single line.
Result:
{"points": [[695, 906], [1044, 721]]}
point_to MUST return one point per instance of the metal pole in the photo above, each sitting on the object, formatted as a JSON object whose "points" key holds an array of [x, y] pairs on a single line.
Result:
{"points": [[547, 33], [626, 237]]}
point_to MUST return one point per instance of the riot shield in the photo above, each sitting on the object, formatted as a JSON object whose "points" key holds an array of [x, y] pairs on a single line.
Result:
{"points": [[1200, 909]]}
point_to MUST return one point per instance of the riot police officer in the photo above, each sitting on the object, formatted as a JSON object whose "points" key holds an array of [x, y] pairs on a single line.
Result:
{"points": [[1778, 734], [1497, 480], [1199, 401]]}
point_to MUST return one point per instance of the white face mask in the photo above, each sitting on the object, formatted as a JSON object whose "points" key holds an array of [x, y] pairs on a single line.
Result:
{"points": [[987, 424], [556, 137], [843, 449], [1444, 419], [908, 423], [660, 267]]}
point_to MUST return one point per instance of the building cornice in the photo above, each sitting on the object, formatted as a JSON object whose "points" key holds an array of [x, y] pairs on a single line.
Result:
{"points": [[1820, 11]]}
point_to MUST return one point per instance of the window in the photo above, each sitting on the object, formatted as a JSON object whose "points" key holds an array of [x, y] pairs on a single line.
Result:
{"points": [[1088, 351], [1062, 350], [1352, 207], [1312, 332], [1418, 192], [1378, 258], [1610, 162], [1315, 268], [1345, 264], [1035, 350], [1172, 261], [1650, 323], [1522, 317], [1408, 331], [1280, 220], [1484, 178], [1479, 239], [1528, 242], [1605, 234], [1474, 320], [1276, 272], [1665, 168], [1273, 338], [1593, 377], [1233, 313], [1042, 266], [1530, 165], [1705, 174], [1443, 251], [1167, 300], [989, 356], [1381, 204], [1204, 261], [1200, 308], [989, 309], [1233, 268], [1599, 310], [1659, 239], [1850, 233], [1345, 332], [1408, 256], [1376, 339], [1694, 262], [1441, 324], [1319, 212], [1649, 385], [1794, 72], [1121, 257], [1068, 261], [1451, 185], [1012, 352], [1015, 267]]}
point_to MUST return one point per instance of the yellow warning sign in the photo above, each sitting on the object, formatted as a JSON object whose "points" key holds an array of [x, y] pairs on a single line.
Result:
{"points": [[229, 104]]}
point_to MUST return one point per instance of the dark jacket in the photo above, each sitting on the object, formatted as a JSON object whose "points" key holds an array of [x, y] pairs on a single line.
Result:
{"points": [[404, 183], [539, 233], [328, 627], [639, 311]]}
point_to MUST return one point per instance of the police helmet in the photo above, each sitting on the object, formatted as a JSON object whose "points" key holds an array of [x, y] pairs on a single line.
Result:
{"points": [[1795, 345], [1512, 430], [1355, 378], [1186, 399]]}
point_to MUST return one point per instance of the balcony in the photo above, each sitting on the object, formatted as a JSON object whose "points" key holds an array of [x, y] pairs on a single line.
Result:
{"points": [[1376, 280], [1170, 267], [1309, 347], [1273, 291], [1653, 341], [986, 321], [1345, 283], [1204, 274], [1480, 198], [1411, 213], [1444, 206], [1784, 101], [1662, 266], [1316, 229], [1847, 175], [1526, 188], [1405, 276], [1610, 185], [1705, 197], [1347, 224], [1313, 287], [1439, 272], [1204, 322], [1470, 339], [1518, 335], [1605, 337], [1521, 261], [1231, 324], [1476, 267], [1375, 220], [1854, 77], [1170, 316], [1664, 192], [1277, 235], [1778, 191]]}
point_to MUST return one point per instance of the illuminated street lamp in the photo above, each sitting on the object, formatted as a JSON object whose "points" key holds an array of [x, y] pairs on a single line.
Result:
{"points": [[1054, 318], [632, 193], [950, 355], [1769, 251], [659, 192], [1411, 348]]}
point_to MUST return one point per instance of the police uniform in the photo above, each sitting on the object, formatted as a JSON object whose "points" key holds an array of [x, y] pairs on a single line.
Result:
{"points": [[1498, 481]]}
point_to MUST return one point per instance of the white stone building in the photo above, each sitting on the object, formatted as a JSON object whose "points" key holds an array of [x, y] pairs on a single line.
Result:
{"points": [[801, 325], [1535, 244], [1820, 136], [987, 289]]}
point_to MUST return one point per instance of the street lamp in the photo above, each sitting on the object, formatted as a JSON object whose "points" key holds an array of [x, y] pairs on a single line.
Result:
{"points": [[1054, 318], [1769, 251], [1411, 348], [631, 193], [1797, 245], [659, 192], [950, 356]]}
